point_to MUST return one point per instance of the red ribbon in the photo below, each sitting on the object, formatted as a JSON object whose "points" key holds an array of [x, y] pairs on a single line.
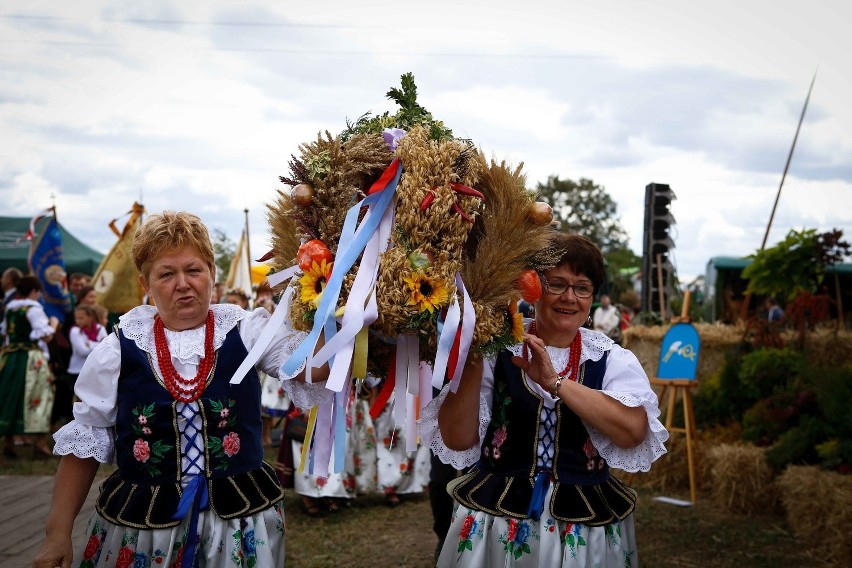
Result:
{"points": [[454, 355], [387, 389], [386, 177]]}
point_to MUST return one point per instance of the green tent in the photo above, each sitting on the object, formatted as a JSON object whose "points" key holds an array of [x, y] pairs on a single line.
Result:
{"points": [[79, 257]]}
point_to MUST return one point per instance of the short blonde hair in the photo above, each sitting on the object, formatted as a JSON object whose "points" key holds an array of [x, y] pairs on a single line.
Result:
{"points": [[167, 232]]}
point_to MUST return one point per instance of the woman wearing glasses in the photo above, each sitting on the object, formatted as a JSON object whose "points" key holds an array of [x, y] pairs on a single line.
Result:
{"points": [[541, 424]]}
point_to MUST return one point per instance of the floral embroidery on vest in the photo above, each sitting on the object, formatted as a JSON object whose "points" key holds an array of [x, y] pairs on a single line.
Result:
{"points": [[149, 454], [502, 400], [226, 447]]}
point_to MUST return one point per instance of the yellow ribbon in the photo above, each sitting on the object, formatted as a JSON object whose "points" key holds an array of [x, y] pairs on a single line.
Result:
{"points": [[309, 433], [359, 358]]}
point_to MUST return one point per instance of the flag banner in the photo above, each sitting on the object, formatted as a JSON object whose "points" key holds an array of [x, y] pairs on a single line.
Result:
{"points": [[116, 281], [46, 263], [239, 275]]}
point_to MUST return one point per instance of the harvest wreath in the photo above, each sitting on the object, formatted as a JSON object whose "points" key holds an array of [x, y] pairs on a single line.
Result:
{"points": [[411, 247]]}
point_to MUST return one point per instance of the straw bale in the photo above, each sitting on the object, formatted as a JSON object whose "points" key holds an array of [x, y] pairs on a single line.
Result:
{"points": [[740, 479], [818, 507]]}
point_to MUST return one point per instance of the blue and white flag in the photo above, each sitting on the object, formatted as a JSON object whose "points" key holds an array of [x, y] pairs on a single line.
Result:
{"points": [[47, 264]]}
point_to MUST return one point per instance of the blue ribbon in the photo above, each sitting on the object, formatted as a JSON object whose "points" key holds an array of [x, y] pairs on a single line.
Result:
{"points": [[195, 499], [542, 483], [350, 247]]}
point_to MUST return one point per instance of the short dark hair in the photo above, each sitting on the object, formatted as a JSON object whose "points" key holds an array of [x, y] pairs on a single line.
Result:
{"points": [[83, 291], [26, 285], [581, 256]]}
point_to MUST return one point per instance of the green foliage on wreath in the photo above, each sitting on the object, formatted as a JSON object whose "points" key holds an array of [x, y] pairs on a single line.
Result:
{"points": [[410, 114]]}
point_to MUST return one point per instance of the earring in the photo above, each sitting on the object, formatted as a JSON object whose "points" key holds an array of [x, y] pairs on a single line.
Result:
{"points": [[589, 320]]}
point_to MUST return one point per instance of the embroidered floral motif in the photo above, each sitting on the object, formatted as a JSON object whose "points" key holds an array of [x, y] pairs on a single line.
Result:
{"points": [[515, 538], [92, 552], [613, 534], [594, 460], [149, 454], [468, 529], [500, 420], [226, 447], [572, 537]]}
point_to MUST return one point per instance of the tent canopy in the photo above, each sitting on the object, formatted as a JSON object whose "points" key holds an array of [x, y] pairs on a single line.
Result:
{"points": [[78, 257]]}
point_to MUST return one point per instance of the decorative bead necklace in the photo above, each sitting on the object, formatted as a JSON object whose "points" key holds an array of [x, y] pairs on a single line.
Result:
{"points": [[173, 381], [572, 367]]}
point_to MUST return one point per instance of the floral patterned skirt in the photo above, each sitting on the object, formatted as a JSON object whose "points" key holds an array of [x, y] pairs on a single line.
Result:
{"points": [[478, 539], [254, 541]]}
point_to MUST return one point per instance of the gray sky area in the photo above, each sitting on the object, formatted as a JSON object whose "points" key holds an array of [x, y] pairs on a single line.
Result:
{"points": [[199, 105]]}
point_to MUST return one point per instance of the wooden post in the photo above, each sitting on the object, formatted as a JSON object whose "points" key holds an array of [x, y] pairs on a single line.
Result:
{"points": [[683, 388]]}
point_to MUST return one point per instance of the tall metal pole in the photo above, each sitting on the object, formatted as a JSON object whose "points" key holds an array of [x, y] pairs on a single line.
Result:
{"points": [[747, 299], [789, 159]]}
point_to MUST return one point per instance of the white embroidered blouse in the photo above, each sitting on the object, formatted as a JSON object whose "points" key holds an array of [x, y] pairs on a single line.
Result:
{"points": [[624, 379], [91, 434]]}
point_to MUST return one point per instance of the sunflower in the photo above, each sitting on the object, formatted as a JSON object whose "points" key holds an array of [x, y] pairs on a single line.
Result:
{"points": [[426, 293], [313, 282]]}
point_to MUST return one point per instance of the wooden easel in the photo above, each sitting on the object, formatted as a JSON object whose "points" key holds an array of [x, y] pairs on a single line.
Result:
{"points": [[681, 388]]}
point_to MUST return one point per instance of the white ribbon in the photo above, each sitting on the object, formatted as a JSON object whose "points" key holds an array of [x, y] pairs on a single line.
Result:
{"points": [[272, 326], [466, 337], [445, 343]]}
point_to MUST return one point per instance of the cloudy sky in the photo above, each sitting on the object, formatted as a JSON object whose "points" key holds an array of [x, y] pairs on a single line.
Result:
{"points": [[199, 105]]}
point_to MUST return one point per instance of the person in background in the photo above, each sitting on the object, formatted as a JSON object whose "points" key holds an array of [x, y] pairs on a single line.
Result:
{"points": [[606, 319], [218, 293], [26, 389], [89, 297], [774, 312], [237, 297], [8, 284], [541, 423], [84, 337], [76, 282], [191, 487]]}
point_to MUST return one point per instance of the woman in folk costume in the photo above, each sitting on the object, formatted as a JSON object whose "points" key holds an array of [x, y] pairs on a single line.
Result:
{"points": [[381, 448], [541, 424], [26, 389], [191, 488]]}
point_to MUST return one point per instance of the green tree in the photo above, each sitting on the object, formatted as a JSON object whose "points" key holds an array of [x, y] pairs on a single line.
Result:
{"points": [[585, 207], [223, 252], [796, 264]]}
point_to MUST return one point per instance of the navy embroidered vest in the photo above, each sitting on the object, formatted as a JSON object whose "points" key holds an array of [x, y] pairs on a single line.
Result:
{"points": [[502, 482], [146, 488]]}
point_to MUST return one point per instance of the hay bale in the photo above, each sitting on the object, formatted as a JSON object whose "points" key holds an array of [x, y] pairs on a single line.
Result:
{"points": [[818, 507], [740, 479]]}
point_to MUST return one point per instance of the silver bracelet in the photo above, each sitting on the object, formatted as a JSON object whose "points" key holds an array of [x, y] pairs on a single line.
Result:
{"points": [[554, 392]]}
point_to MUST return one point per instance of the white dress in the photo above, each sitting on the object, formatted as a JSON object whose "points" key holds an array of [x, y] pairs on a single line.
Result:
{"points": [[255, 540], [477, 538]]}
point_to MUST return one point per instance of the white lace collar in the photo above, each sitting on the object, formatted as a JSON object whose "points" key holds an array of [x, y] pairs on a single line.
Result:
{"points": [[185, 346], [593, 345]]}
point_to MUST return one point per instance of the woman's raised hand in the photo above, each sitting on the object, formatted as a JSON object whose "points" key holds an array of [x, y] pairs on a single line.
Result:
{"points": [[539, 368]]}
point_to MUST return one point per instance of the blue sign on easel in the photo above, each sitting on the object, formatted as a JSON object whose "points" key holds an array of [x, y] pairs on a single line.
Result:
{"points": [[679, 353]]}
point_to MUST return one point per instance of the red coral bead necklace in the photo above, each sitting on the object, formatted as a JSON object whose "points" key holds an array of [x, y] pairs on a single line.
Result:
{"points": [[173, 381], [573, 365]]}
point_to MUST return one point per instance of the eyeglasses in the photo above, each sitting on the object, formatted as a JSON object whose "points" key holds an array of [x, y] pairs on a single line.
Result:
{"points": [[559, 287]]}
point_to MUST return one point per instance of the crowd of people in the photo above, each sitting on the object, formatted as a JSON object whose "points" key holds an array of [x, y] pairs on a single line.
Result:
{"points": [[516, 462]]}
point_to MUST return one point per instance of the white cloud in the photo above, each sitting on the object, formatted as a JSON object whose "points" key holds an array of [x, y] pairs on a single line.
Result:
{"points": [[199, 106]]}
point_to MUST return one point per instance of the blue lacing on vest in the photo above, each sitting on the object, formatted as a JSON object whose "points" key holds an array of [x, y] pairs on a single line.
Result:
{"points": [[195, 497], [546, 442]]}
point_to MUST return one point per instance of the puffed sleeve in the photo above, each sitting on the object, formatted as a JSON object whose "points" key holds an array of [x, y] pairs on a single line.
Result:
{"points": [[91, 433], [430, 432], [625, 380], [39, 322]]}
